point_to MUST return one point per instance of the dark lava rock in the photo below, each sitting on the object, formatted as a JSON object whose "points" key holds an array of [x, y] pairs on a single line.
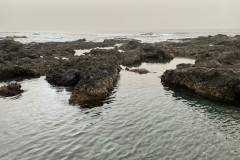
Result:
{"points": [[12, 89]]}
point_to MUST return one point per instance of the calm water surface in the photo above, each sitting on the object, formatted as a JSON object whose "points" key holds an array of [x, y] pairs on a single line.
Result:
{"points": [[142, 119], [156, 36]]}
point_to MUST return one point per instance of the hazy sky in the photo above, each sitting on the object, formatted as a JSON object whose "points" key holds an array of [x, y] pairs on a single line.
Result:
{"points": [[118, 15]]}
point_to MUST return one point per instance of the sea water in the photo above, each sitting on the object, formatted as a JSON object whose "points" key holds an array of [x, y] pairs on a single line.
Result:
{"points": [[142, 119]]}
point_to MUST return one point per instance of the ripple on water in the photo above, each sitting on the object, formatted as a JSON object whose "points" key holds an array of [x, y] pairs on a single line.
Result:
{"points": [[141, 120]]}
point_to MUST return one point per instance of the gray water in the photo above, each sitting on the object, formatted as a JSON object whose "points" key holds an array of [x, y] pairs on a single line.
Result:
{"points": [[156, 36], [141, 119]]}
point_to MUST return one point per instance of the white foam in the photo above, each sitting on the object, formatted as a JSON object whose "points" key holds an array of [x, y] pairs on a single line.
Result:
{"points": [[81, 52]]}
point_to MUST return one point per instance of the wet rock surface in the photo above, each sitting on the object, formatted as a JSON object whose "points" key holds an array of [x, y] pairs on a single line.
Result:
{"points": [[216, 72], [11, 89]]}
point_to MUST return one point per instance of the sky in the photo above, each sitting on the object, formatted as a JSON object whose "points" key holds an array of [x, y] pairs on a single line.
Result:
{"points": [[118, 15]]}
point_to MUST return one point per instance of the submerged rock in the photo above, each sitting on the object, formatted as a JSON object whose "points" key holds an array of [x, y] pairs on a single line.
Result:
{"points": [[12, 89], [139, 70]]}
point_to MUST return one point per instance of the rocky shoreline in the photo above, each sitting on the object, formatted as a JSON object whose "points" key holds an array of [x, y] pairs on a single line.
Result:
{"points": [[215, 74], [92, 76]]}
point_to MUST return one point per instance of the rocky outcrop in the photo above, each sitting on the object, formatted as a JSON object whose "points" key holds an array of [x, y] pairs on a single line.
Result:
{"points": [[215, 74], [35, 59], [9, 90], [93, 78], [215, 83], [95, 89]]}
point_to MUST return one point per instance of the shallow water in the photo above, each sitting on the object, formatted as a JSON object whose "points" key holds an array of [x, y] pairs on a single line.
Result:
{"points": [[142, 119]]}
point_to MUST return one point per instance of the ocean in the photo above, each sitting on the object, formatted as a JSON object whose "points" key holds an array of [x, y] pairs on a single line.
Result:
{"points": [[149, 37]]}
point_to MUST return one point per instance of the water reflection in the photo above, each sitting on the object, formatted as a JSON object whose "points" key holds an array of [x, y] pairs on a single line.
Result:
{"points": [[195, 100], [225, 117]]}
